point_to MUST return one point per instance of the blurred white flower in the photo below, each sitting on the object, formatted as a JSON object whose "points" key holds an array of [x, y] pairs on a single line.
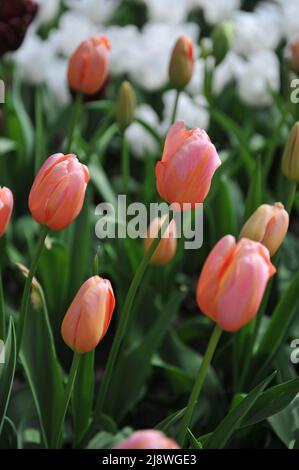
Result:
{"points": [[149, 67], [47, 10], [228, 70], [190, 110], [123, 49], [73, 28], [290, 17], [139, 139], [258, 75], [99, 11], [218, 10], [57, 82], [167, 11], [34, 58], [259, 30], [197, 81]]}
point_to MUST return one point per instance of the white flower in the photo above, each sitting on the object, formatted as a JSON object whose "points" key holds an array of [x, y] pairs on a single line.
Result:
{"points": [[257, 31], [47, 10], [197, 81], [167, 11], [139, 139], [72, 30], [34, 58], [191, 110], [229, 69], [57, 82], [216, 11], [98, 11], [123, 49], [290, 17], [258, 75]]}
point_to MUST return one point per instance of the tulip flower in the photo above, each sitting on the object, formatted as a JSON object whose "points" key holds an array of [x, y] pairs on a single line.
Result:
{"points": [[267, 225], [167, 245], [188, 164], [147, 439], [88, 317], [6, 206], [181, 63], [88, 66], [57, 194], [125, 106], [233, 281], [293, 54], [15, 18]]}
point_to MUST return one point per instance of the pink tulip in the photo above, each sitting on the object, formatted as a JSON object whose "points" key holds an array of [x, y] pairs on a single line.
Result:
{"points": [[188, 164], [233, 281], [88, 66], [6, 206], [57, 194], [148, 439], [168, 244], [87, 320]]}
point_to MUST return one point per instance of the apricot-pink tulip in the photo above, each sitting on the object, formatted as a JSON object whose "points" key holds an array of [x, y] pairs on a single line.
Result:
{"points": [[188, 164], [167, 246], [233, 281], [57, 194], [88, 317], [147, 439], [88, 66], [6, 206]]}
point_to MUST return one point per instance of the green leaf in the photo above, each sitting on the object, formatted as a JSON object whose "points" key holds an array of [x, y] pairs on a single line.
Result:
{"points": [[83, 393], [7, 145], [194, 443], [224, 209], [41, 366], [170, 420], [272, 401], [285, 424], [255, 193], [134, 366], [9, 437], [232, 421], [101, 183], [277, 329], [7, 371], [105, 440]]}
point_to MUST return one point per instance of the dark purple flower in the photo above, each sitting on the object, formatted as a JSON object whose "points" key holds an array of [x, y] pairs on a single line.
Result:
{"points": [[15, 17]]}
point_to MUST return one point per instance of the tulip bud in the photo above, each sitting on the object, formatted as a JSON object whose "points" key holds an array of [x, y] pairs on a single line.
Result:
{"points": [[233, 280], [125, 105], [57, 194], [88, 66], [167, 246], [15, 17], [6, 206], [181, 63], [189, 161], [223, 35], [290, 159], [147, 439], [88, 317], [267, 225]]}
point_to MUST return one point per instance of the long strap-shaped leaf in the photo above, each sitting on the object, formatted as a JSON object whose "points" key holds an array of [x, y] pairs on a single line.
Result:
{"points": [[232, 421]]}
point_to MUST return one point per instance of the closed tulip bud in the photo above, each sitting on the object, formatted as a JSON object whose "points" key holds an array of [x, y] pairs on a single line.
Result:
{"points": [[189, 161], [167, 246], [88, 66], [57, 194], [267, 225], [125, 105], [88, 317], [233, 281], [223, 35], [15, 18], [181, 63], [147, 439], [290, 159], [6, 206]]}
